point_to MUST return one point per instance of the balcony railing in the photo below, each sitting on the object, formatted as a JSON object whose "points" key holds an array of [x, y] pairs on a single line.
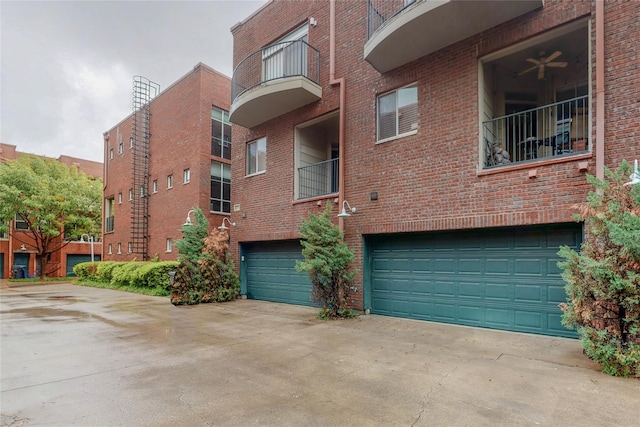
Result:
{"points": [[109, 224], [318, 179], [380, 11], [553, 130], [280, 60]]}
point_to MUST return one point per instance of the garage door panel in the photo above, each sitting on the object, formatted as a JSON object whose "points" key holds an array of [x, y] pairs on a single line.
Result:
{"points": [[271, 274], [505, 279]]}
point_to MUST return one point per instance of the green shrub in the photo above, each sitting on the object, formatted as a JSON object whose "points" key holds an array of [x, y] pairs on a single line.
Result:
{"points": [[327, 261], [603, 280], [105, 270]]}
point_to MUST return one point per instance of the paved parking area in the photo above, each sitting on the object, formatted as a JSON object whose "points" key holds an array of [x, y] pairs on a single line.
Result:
{"points": [[75, 356]]}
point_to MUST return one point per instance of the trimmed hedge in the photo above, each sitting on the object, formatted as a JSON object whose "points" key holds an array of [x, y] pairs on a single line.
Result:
{"points": [[141, 274]]}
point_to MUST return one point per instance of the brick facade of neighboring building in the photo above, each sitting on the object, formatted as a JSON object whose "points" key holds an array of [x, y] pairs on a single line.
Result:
{"points": [[20, 252], [180, 139], [433, 183]]}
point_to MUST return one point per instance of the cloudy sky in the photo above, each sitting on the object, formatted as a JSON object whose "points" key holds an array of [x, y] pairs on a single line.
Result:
{"points": [[66, 68]]}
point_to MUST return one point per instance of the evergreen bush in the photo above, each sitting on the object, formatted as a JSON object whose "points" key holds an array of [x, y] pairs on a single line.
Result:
{"points": [[603, 279], [327, 261]]}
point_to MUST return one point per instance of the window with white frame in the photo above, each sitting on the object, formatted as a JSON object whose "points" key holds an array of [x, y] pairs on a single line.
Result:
{"points": [[130, 194], [19, 223], [170, 181], [110, 249], [142, 191], [220, 187], [397, 112], [287, 57], [110, 153], [129, 247], [131, 142], [155, 185], [120, 148], [119, 198], [169, 245], [186, 176], [119, 248], [257, 156], [220, 133]]}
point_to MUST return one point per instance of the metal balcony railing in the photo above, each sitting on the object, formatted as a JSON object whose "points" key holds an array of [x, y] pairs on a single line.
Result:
{"points": [[318, 179], [549, 131], [109, 224], [277, 61], [380, 11]]}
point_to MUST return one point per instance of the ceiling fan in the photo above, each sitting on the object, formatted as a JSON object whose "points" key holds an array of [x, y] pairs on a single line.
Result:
{"points": [[542, 63]]}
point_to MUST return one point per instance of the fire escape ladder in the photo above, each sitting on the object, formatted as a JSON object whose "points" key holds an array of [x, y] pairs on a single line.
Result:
{"points": [[144, 91]]}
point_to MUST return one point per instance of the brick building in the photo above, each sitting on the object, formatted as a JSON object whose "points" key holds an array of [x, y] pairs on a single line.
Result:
{"points": [[17, 249], [461, 131], [170, 156]]}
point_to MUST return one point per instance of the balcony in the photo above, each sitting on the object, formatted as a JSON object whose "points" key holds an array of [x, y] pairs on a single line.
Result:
{"points": [[547, 132], [274, 81], [319, 179], [401, 31]]}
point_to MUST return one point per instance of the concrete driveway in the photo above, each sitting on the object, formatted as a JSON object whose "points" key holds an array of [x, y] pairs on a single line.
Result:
{"points": [[75, 356]]}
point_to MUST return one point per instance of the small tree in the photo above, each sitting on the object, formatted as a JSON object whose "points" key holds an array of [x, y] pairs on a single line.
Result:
{"points": [[327, 261], [603, 280], [206, 272]]}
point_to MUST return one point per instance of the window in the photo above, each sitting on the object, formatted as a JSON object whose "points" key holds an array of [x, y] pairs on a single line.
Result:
{"points": [[186, 176], [155, 185], [131, 142], [398, 112], [109, 209], [120, 148], [169, 245], [287, 57], [110, 153], [119, 198], [119, 248], [170, 181], [142, 191], [257, 156], [20, 224], [110, 249], [220, 187], [129, 247], [220, 133], [130, 194]]}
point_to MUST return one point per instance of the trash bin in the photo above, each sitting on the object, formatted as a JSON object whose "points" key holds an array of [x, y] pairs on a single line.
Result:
{"points": [[18, 271], [25, 272]]}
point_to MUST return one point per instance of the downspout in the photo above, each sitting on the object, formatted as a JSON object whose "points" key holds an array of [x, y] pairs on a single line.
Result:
{"points": [[599, 145], [333, 81]]}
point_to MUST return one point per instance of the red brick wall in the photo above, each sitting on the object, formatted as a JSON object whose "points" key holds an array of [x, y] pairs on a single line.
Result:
{"points": [[180, 128], [430, 180]]}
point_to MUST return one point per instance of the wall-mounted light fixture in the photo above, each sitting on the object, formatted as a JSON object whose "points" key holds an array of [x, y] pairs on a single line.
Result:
{"points": [[635, 176], [312, 21], [23, 247], [224, 227], [344, 213], [188, 220]]}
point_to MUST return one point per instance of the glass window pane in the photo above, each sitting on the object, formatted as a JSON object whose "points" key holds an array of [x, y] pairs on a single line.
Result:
{"points": [[407, 95], [216, 113]]}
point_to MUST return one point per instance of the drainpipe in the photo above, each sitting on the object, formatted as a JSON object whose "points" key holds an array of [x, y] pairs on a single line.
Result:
{"points": [[333, 81], [599, 145]]}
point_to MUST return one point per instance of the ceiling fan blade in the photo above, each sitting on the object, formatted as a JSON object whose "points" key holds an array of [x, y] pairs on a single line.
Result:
{"points": [[557, 64], [541, 72], [533, 61], [553, 56], [528, 69]]}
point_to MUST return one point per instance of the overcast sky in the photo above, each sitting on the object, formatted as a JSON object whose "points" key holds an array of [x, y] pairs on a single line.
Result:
{"points": [[67, 67]]}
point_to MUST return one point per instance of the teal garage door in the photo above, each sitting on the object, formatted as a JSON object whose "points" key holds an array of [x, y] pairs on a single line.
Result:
{"points": [[501, 279], [73, 260], [270, 273]]}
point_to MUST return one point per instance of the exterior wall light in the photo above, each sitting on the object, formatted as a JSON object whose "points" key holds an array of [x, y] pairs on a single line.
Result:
{"points": [[224, 227], [635, 176], [344, 213]]}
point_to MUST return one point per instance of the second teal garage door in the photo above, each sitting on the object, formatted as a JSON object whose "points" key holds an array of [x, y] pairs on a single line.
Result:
{"points": [[501, 279], [270, 274]]}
